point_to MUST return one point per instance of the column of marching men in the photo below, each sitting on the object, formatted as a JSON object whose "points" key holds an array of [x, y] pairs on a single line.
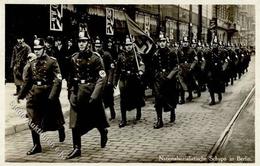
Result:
{"points": [[93, 70]]}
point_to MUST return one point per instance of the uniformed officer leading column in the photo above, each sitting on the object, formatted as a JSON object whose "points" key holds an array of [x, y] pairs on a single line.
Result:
{"points": [[42, 87], [86, 81]]}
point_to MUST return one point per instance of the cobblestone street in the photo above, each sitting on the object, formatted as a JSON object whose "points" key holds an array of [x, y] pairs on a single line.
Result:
{"points": [[198, 127], [241, 144]]}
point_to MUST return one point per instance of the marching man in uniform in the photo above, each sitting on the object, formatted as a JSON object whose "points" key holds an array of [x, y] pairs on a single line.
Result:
{"points": [[129, 74], [165, 69], [42, 87], [86, 81], [108, 95]]}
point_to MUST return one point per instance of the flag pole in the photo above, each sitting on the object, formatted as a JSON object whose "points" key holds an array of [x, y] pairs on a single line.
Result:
{"points": [[137, 63]]}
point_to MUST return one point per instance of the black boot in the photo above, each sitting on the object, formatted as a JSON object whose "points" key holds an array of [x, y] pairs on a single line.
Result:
{"points": [[61, 134], [189, 98], [219, 97], [123, 116], [159, 123], [172, 116], [138, 114], [76, 152], [36, 144], [112, 113], [199, 92], [182, 101], [18, 88], [212, 99], [103, 133], [76, 138]]}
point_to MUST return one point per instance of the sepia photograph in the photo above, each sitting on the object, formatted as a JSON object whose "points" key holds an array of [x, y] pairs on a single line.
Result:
{"points": [[129, 83]]}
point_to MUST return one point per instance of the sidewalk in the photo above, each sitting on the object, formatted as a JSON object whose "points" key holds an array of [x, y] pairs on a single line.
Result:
{"points": [[14, 112]]}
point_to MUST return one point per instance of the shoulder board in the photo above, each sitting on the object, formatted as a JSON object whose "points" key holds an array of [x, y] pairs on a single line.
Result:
{"points": [[31, 60], [76, 53], [53, 58], [97, 54]]}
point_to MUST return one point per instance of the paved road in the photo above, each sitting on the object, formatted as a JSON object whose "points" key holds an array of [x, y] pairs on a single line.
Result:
{"points": [[241, 143], [197, 128]]}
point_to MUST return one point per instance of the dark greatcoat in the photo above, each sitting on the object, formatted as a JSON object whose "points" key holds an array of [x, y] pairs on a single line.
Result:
{"points": [[233, 60], [189, 67], [164, 64], [214, 71], [42, 87], [86, 81], [18, 61], [130, 85], [108, 95]]}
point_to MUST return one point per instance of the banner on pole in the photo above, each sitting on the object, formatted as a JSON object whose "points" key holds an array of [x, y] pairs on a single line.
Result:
{"points": [[56, 14], [143, 43], [110, 13]]}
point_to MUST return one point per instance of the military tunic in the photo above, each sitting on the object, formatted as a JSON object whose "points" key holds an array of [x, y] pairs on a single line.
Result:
{"points": [[18, 62], [130, 86], [165, 70], [86, 81], [42, 87]]}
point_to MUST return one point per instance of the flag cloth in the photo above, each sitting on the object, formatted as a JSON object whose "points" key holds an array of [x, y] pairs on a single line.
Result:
{"points": [[143, 43]]}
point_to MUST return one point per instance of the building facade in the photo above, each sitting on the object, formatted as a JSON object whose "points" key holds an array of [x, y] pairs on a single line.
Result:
{"points": [[230, 22]]}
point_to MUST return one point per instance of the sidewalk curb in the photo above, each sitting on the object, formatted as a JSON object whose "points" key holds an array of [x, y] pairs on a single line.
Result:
{"points": [[24, 126]]}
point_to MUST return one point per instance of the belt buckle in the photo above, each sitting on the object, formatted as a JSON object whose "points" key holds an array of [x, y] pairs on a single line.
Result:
{"points": [[82, 81], [39, 83]]}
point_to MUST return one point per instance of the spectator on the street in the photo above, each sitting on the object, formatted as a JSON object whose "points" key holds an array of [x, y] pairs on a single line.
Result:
{"points": [[49, 46], [18, 61], [42, 87], [87, 78], [60, 55]]}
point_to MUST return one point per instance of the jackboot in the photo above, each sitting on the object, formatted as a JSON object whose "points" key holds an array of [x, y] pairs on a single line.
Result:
{"points": [[36, 144], [112, 113], [103, 133], [123, 116], [172, 116], [189, 98], [138, 114], [182, 101], [219, 97], [18, 88], [212, 99], [159, 123], [61, 134], [76, 138]]}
